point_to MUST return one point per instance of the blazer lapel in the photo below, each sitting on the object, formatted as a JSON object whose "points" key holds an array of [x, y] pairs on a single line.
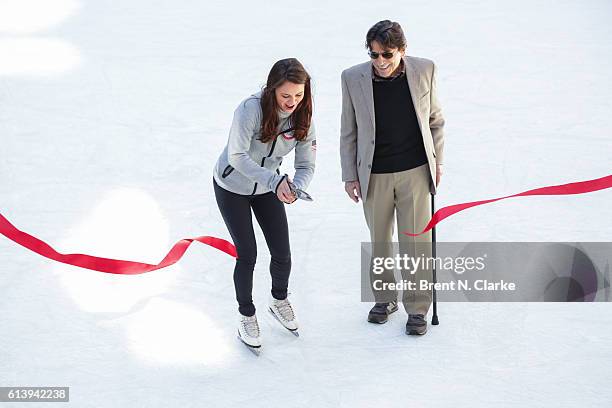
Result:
{"points": [[368, 91], [412, 76], [415, 88]]}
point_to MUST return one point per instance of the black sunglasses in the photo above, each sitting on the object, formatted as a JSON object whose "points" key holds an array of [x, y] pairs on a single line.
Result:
{"points": [[385, 55]]}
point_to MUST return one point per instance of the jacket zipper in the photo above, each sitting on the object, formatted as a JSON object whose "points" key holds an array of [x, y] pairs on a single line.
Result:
{"points": [[263, 159]]}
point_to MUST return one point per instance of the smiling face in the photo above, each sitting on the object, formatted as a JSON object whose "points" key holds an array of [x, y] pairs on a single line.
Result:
{"points": [[289, 96], [385, 67]]}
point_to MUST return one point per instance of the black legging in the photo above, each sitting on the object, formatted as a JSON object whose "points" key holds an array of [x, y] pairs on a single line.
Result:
{"points": [[271, 216]]}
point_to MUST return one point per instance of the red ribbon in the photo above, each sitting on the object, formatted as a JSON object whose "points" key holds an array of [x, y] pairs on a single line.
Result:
{"points": [[580, 187], [105, 264], [176, 253]]}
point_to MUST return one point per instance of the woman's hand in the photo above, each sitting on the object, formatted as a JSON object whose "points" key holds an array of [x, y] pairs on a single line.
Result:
{"points": [[283, 192]]}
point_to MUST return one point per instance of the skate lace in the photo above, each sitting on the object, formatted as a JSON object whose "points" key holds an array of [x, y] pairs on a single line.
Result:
{"points": [[251, 327], [285, 310]]}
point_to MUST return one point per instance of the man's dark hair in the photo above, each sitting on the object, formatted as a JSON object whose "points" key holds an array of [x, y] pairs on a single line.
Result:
{"points": [[387, 33]]}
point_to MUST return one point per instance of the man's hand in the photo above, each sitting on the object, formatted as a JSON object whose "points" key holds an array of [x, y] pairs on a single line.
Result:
{"points": [[283, 192], [439, 172], [353, 189]]}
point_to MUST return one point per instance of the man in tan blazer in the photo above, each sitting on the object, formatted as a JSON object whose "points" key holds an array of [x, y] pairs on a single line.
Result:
{"points": [[391, 150]]}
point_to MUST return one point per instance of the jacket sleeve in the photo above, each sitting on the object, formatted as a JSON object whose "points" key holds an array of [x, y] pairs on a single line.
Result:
{"points": [[305, 154], [348, 135], [436, 120], [244, 127]]}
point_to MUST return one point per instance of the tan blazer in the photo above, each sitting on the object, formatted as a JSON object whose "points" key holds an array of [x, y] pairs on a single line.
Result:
{"points": [[357, 127]]}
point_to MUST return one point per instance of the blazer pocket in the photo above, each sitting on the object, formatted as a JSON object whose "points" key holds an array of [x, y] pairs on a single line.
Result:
{"points": [[424, 96]]}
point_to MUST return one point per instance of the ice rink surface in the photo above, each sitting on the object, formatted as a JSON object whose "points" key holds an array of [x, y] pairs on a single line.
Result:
{"points": [[112, 115]]}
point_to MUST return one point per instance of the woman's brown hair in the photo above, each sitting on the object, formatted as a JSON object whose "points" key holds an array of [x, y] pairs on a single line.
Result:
{"points": [[289, 69]]}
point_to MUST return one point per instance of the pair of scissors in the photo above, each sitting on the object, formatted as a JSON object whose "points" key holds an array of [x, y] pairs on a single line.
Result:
{"points": [[301, 194]]}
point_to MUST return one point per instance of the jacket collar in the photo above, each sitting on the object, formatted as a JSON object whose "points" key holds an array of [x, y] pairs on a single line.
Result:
{"points": [[412, 77]]}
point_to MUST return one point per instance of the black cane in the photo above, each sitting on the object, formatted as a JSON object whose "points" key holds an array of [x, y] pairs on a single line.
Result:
{"points": [[434, 318]]}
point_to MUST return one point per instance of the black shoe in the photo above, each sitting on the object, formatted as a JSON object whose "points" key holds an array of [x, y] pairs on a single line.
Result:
{"points": [[381, 311], [417, 325]]}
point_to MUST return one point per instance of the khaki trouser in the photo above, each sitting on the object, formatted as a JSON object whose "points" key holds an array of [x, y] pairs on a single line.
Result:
{"points": [[401, 197]]}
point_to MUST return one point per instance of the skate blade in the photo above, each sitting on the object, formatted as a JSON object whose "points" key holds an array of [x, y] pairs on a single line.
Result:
{"points": [[253, 349], [256, 351], [294, 332]]}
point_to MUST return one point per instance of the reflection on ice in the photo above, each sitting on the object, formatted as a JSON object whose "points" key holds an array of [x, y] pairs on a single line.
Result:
{"points": [[127, 224], [31, 16], [167, 332], [40, 56], [36, 56]]}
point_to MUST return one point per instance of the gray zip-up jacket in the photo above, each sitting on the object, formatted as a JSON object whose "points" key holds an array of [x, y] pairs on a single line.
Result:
{"points": [[249, 167]]}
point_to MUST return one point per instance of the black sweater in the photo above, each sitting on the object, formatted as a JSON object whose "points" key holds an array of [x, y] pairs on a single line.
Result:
{"points": [[399, 143]]}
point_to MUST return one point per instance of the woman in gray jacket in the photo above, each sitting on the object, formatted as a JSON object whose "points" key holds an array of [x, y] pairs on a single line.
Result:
{"points": [[266, 126]]}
